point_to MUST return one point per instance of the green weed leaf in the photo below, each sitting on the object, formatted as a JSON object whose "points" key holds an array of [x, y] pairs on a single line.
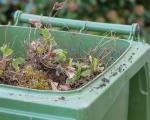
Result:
{"points": [[6, 51], [61, 55], [16, 62], [48, 39], [1, 72], [76, 76], [94, 63], [86, 73], [70, 63], [40, 49]]}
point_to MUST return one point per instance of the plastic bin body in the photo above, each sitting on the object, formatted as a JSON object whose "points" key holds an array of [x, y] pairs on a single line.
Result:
{"points": [[90, 102]]}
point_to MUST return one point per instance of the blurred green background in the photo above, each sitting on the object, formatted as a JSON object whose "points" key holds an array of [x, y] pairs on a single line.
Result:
{"points": [[112, 11]]}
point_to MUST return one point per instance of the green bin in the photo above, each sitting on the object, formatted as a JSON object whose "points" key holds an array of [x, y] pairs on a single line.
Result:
{"points": [[124, 97]]}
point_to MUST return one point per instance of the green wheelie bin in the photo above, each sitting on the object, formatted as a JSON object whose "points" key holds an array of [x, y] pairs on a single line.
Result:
{"points": [[124, 96]]}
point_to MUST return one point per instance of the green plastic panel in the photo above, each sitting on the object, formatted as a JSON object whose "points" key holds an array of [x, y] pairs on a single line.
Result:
{"points": [[118, 100]]}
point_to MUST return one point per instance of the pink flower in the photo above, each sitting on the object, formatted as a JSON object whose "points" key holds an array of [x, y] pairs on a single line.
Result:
{"points": [[34, 44], [58, 6], [64, 87], [70, 72]]}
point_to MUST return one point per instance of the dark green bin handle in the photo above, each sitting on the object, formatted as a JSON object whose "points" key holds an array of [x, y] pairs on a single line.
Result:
{"points": [[132, 30]]}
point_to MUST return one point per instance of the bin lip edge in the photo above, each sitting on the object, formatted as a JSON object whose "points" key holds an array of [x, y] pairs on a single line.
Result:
{"points": [[54, 30]]}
